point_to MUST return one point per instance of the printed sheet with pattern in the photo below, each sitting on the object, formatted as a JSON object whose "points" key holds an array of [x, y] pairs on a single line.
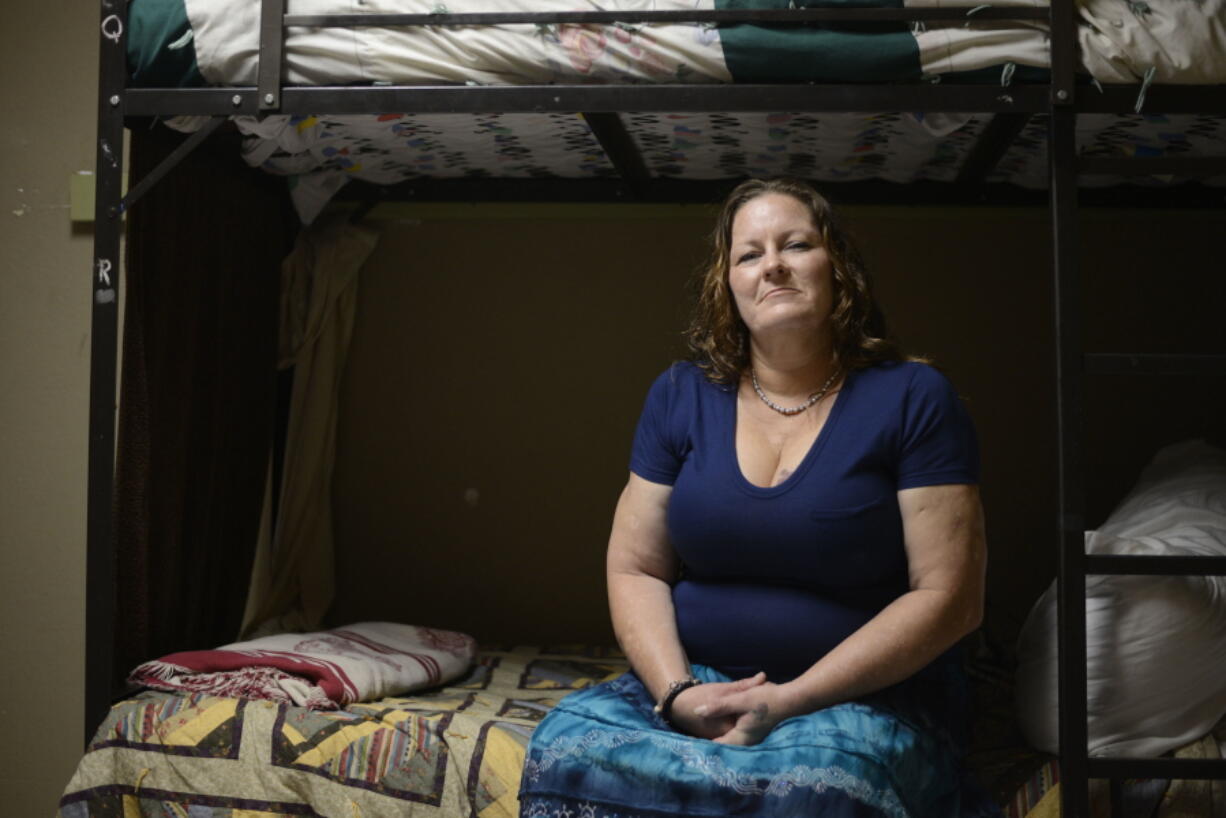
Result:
{"points": [[321, 154], [456, 751]]}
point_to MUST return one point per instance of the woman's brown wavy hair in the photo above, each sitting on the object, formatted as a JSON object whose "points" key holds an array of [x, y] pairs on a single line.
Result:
{"points": [[717, 337]]}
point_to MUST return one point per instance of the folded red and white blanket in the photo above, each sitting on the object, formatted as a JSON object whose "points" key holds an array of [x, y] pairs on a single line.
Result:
{"points": [[324, 670]]}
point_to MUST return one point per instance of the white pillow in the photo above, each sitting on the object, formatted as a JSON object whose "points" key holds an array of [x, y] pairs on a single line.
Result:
{"points": [[1156, 646]]}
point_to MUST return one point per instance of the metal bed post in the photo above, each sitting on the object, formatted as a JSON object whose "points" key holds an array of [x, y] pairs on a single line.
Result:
{"points": [[1071, 624], [110, 206], [104, 289], [1070, 578], [272, 48]]}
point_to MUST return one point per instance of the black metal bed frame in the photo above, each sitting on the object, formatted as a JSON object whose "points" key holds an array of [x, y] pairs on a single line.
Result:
{"points": [[1062, 100]]}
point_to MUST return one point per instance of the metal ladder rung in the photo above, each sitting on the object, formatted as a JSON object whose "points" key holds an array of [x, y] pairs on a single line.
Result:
{"points": [[1154, 565], [1127, 363], [1171, 768]]}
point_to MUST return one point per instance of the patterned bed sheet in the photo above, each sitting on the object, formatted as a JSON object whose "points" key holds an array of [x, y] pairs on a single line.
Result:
{"points": [[453, 752], [321, 154]]}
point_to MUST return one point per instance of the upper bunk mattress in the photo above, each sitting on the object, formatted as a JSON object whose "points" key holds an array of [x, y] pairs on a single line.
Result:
{"points": [[198, 42]]}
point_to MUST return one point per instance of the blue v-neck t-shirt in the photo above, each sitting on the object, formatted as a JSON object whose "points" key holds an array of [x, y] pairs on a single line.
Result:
{"points": [[775, 577]]}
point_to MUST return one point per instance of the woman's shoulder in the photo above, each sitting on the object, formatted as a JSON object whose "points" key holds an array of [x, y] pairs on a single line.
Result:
{"points": [[682, 390], [904, 382]]}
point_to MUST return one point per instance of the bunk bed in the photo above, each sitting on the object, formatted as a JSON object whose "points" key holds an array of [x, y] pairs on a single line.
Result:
{"points": [[659, 129]]}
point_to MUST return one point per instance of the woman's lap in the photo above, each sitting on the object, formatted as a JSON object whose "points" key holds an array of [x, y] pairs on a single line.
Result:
{"points": [[603, 751]]}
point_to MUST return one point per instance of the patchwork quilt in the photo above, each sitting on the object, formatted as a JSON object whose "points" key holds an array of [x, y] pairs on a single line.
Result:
{"points": [[457, 752], [452, 752]]}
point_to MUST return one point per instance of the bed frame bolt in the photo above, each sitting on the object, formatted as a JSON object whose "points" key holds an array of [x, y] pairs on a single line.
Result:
{"points": [[115, 100], [236, 100], [1062, 94], [269, 99]]}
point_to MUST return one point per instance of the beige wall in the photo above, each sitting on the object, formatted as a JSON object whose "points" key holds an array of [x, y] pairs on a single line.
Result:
{"points": [[510, 354], [50, 66]]}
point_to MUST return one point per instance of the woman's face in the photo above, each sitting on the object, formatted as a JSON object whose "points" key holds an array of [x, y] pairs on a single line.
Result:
{"points": [[778, 269]]}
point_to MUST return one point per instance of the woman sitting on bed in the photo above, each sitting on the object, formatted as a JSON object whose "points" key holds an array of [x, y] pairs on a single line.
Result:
{"points": [[797, 551]]}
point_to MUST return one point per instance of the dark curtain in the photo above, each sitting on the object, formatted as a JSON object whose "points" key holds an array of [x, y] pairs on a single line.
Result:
{"points": [[197, 394]]}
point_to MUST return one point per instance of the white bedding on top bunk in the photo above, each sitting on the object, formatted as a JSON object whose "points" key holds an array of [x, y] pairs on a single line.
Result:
{"points": [[1156, 646], [1181, 41], [227, 45]]}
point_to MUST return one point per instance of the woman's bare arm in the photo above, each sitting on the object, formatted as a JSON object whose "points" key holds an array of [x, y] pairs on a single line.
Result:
{"points": [[641, 568]]}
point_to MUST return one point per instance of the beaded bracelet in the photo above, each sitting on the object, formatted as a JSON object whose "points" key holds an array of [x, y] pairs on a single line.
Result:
{"points": [[665, 708]]}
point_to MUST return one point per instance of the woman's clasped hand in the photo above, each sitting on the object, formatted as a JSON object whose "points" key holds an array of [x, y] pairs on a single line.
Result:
{"points": [[741, 712]]}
